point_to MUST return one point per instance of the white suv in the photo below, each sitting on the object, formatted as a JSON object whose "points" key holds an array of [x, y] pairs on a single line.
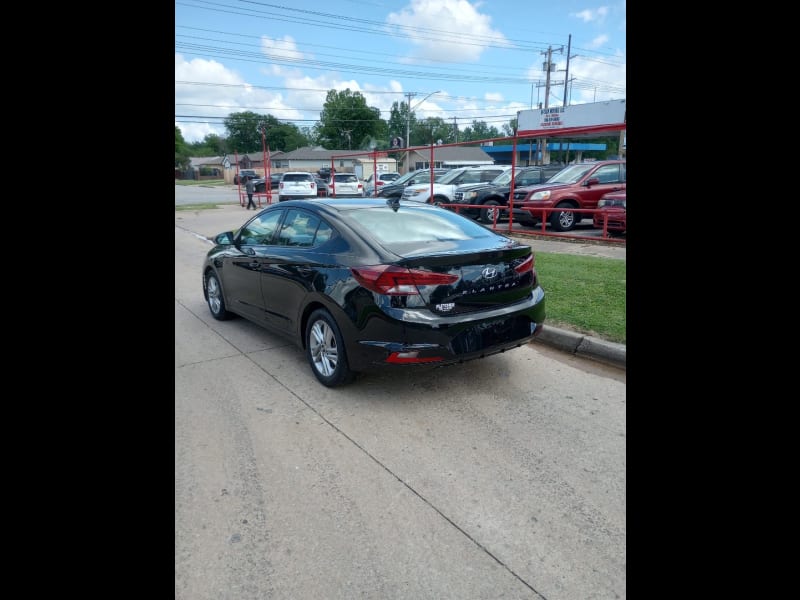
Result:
{"points": [[444, 190], [297, 184]]}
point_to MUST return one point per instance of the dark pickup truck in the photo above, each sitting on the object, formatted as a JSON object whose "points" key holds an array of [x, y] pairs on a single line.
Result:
{"points": [[495, 193], [244, 175]]}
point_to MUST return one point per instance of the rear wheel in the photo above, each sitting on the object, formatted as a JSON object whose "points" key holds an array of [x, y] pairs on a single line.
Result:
{"points": [[325, 350], [487, 215], [563, 220]]}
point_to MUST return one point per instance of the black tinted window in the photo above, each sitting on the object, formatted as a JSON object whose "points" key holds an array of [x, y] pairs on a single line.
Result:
{"points": [[297, 177]]}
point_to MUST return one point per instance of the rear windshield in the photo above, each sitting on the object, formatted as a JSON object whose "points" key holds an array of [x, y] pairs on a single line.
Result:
{"points": [[346, 178], [297, 177], [410, 224]]}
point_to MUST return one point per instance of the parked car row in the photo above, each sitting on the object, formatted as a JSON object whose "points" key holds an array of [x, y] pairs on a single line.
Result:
{"points": [[571, 188]]}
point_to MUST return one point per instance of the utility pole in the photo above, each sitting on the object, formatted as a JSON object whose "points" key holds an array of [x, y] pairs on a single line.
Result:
{"points": [[548, 66], [566, 73], [455, 128], [408, 118]]}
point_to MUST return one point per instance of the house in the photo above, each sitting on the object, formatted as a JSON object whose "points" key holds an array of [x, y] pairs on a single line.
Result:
{"points": [[250, 160], [362, 163], [203, 167], [447, 157]]}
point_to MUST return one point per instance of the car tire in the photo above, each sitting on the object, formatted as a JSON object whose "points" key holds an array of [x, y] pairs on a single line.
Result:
{"points": [[325, 350], [215, 298], [563, 220], [486, 215]]}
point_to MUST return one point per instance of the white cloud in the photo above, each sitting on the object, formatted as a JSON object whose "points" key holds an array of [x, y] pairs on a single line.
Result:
{"points": [[588, 15], [599, 41], [447, 29]]}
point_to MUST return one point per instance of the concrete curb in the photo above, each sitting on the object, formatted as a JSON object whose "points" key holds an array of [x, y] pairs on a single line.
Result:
{"points": [[582, 345]]}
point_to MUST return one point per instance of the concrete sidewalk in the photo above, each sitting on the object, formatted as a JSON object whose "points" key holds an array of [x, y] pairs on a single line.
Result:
{"points": [[210, 222]]}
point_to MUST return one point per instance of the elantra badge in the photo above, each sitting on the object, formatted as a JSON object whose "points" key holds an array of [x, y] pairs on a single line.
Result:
{"points": [[489, 273]]}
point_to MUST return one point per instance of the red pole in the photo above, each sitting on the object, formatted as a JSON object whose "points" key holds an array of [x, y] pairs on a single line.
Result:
{"points": [[375, 173], [510, 203], [269, 178], [431, 165], [238, 179], [268, 184]]}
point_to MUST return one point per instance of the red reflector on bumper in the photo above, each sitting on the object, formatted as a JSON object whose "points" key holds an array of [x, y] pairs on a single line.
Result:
{"points": [[410, 357]]}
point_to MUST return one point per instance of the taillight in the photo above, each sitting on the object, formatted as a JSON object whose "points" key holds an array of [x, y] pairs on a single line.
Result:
{"points": [[398, 281], [525, 266]]}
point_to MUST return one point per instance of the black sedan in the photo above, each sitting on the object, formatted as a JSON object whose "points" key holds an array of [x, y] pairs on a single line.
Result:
{"points": [[362, 284]]}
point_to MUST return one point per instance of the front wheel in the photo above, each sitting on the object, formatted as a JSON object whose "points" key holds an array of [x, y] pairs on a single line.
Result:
{"points": [[487, 215], [562, 220], [216, 302], [325, 350]]}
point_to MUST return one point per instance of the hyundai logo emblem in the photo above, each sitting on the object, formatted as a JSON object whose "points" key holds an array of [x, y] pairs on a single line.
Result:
{"points": [[489, 273]]}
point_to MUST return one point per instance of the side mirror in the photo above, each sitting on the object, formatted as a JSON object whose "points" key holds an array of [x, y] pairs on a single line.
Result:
{"points": [[224, 239], [592, 181]]}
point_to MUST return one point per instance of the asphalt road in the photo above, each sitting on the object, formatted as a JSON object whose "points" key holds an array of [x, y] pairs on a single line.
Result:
{"points": [[501, 478]]}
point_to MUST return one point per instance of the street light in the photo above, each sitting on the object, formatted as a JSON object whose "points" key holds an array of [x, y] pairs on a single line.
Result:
{"points": [[408, 116]]}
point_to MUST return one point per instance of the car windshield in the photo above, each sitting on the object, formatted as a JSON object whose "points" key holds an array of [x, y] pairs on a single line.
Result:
{"points": [[406, 177], [503, 179], [451, 175], [570, 174]]}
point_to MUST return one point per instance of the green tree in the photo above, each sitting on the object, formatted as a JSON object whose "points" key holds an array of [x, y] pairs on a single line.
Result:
{"points": [[346, 120], [211, 145], [243, 134], [510, 128], [182, 153], [284, 136], [480, 131], [398, 120], [431, 130]]}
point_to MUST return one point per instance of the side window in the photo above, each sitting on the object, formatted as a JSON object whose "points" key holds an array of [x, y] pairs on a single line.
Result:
{"points": [[300, 228], [324, 233], [608, 174], [261, 229]]}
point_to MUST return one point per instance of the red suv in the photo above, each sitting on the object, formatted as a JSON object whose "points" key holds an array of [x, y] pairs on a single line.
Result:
{"points": [[574, 187]]}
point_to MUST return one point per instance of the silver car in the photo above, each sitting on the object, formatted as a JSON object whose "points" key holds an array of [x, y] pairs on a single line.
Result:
{"points": [[344, 185], [297, 184]]}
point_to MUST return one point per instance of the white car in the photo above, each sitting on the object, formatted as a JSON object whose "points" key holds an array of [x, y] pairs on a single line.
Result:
{"points": [[297, 184], [444, 189], [343, 185], [381, 179]]}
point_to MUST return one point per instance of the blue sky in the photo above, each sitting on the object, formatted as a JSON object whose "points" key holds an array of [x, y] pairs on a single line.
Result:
{"points": [[483, 59]]}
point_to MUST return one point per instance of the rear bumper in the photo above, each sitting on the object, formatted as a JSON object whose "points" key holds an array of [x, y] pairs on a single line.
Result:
{"points": [[411, 338]]}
